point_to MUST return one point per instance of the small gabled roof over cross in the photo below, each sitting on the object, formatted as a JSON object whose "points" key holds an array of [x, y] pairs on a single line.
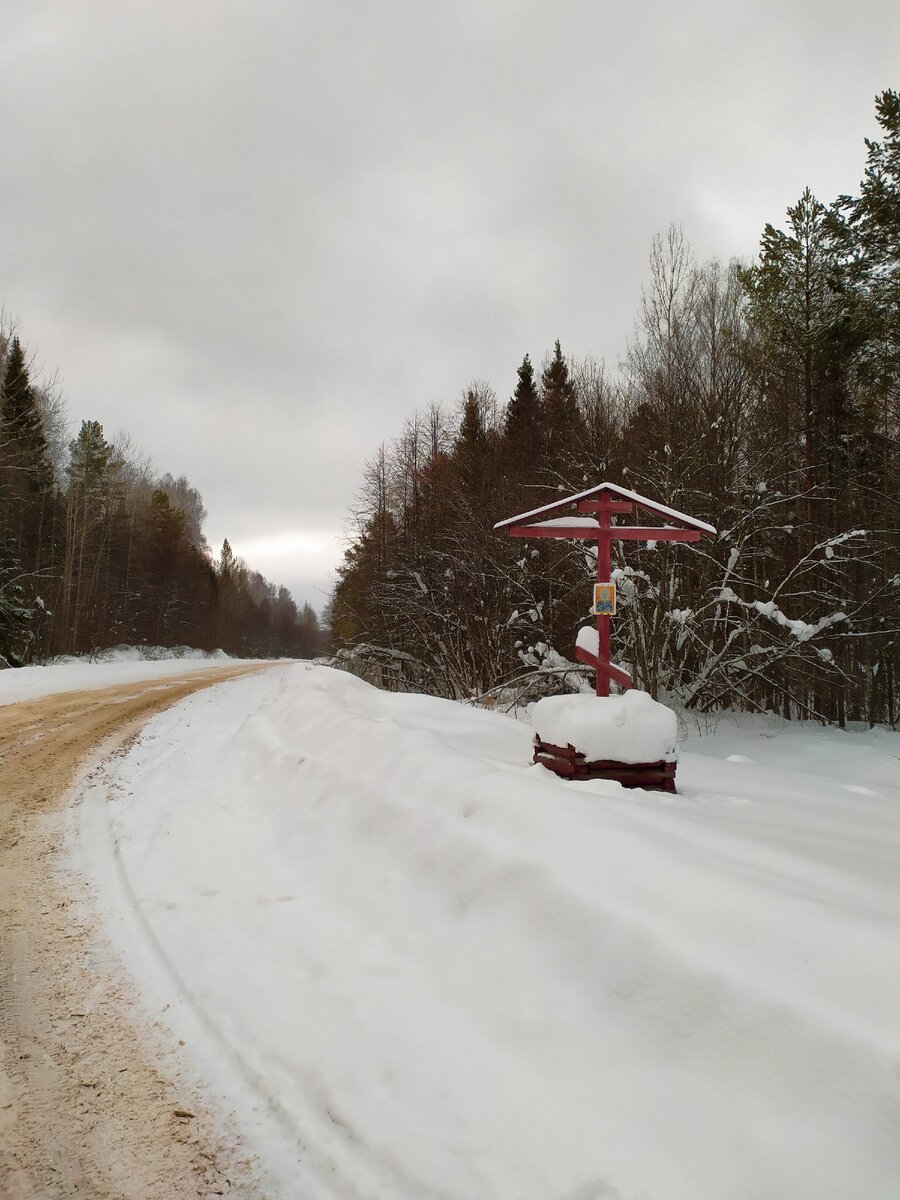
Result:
{"points": [[527, 520]]}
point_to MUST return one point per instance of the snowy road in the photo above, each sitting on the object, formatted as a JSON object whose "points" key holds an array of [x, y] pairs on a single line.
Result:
{"points": [[87, 1106], [410, 965]]}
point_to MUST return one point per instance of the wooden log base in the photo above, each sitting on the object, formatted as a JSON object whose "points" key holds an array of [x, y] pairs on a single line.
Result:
{"points": [[569, 763]]}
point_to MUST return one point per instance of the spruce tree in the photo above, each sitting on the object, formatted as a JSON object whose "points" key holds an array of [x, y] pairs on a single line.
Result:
{"points": [[20, 419], [558, 390], [26, 476], [18, 397], [474, 447], [522, 431], [562, 420]]}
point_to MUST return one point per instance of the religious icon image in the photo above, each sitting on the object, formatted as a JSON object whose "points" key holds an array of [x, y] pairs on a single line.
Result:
{"points": [[604, 600]]}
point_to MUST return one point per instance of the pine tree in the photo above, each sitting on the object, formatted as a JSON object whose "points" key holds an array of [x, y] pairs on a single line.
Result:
{"points": [[166, 551], [870, 227], [94, 514], [90, 458], [793, 295]]}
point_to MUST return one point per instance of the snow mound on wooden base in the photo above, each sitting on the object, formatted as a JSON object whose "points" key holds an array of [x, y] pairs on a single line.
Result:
{"points": [[632, 728]]}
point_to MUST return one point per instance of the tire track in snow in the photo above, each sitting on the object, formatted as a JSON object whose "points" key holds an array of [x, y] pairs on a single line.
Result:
{"points": [[86, 1106]]}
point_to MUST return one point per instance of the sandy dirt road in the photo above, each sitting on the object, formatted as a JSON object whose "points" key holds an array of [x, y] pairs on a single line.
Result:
{"points": [[86, 1108]]}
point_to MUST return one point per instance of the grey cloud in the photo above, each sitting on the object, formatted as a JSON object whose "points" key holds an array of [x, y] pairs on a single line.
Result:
{"points": [[258, 235]]}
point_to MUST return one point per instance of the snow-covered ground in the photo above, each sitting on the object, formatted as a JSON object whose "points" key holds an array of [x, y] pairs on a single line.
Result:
{"points": [[416, 966], [124, 664]]}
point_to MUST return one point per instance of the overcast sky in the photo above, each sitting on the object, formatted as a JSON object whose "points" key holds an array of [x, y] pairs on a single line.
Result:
{"points": [[258, 235]]}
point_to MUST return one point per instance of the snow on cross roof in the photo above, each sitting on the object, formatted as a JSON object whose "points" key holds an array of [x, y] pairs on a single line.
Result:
{"points": [[569, 523], [661, 510]]}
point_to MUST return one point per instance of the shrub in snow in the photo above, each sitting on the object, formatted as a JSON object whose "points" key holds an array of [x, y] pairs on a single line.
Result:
{"points": [[631, 728], [124, 653]]}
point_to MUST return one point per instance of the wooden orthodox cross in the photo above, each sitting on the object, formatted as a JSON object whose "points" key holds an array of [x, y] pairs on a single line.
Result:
{"points": [[606, 502]]}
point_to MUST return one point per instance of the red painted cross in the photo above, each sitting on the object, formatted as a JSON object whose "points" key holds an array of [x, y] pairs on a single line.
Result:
{"points": [[601, 529]]}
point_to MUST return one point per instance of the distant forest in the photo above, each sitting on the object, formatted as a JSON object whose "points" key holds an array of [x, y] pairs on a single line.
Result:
{"points": [[763, 399], [96, 549]]}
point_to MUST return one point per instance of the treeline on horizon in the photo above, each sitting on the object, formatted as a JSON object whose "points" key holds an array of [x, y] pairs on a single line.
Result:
{"points": [[97, 550], [763, 399]]}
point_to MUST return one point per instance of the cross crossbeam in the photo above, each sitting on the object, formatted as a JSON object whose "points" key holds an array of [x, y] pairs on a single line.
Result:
{"points": [[615, 533]]}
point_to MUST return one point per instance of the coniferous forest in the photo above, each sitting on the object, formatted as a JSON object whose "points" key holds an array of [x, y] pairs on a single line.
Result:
{"points": [[763, 399], [96, 549]]}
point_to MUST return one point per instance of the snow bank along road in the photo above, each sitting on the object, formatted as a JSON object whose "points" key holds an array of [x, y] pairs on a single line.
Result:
{"points": [[85, 1110], [412, 966]]}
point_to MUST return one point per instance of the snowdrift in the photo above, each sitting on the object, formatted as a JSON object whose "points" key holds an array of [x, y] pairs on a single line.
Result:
{"points": [[416, 966], [120, 664]]}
